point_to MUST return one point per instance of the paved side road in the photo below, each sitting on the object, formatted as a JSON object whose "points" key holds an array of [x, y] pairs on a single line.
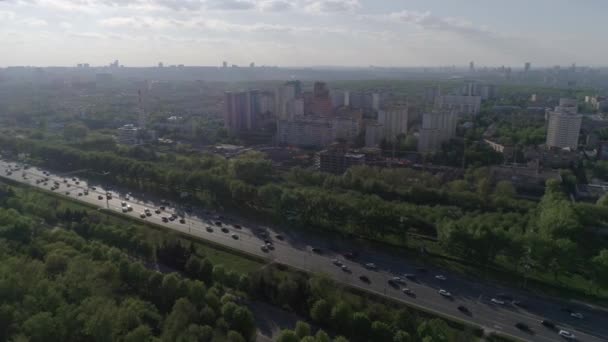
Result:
{"points": [[475, 295]]}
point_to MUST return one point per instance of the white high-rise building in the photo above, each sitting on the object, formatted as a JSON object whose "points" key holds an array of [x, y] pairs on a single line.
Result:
{"points": [[563, 127], [395, 122], [437, 128]]}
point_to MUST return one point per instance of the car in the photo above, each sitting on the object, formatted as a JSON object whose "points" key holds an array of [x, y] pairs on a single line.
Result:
{"points": [[316, 250], [125, 210], [237, 226], [264, 248], [399, 280], [393, 283], [65, 180], [143, 215], [171, 218], [337, 262], [218, 223], [80, 194], [279, 237], [109, 196], [209, 229], [441, 277], [371, 266], [127, 198], [497, 301], [225, 230], [504, 296], [577, 315], [548, 324], [77, 183], [165, 219], [162, 207], [67, 193], [345, 269], [464, 309], [364, 279], [407, 291], [123, 204], [148, 213], [445, 293], [182, 220], [522, 326], [567, 335], [93, 188], [234, 236], [157, 211], [268, 241], [411, 277], [86, 192], [129, 208], [68, 185]]}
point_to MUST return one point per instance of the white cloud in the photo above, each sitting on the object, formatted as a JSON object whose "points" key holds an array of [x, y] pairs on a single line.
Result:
{"points": [[275, 5], [428, 21], [138, 22], [332, 6]]}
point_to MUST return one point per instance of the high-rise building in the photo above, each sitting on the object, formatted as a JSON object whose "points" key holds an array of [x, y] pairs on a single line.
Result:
{"points": [[437, 128], [241, 110], [128, 135], [527, 67], [284, 98], [431, 93], [160, 64], [141, 111], [564, 125], [321, 101], [338, 98], [374, 133], [224, 64], [305, 132], [471, 66], [395, 121]]}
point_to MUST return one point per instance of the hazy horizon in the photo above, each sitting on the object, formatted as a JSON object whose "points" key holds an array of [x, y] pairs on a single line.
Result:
{"points": [[302, 33]]}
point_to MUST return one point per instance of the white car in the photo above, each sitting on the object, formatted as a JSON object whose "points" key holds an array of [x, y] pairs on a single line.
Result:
{"points": [[370, 266], [567, 335], [123, 203], [440, 277], [337, 262], [497, 301], [407, 291], [577, 315], [445, 293]]}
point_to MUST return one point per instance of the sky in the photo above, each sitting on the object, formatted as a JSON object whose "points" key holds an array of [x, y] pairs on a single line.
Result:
{"points": [[304, 32]]}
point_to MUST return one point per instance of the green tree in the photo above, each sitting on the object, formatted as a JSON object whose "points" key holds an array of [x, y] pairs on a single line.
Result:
{"points": [[235, 336], [362, 326], [321, 336], [41, 327], [140, 334], [288, 336], [402, 336], [381, 331], [600, 268], [341, 316], [182, 315], [302, 329], [320, 311]]}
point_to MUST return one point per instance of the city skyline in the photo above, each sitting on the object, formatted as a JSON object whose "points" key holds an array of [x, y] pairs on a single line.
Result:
{"points": [[301, 32]]}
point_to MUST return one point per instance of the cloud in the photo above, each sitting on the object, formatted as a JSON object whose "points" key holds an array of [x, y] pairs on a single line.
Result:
{"points": [[231, 5], [275, 5], [333, 6], [426, 20], [138, 22]]}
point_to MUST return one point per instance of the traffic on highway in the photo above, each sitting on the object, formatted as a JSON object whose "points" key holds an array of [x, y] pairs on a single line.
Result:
{"points": [[496, 309]]}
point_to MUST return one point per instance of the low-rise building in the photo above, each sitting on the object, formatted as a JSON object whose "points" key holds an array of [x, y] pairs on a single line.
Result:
{"points": [[338, 160], [128, 135]]}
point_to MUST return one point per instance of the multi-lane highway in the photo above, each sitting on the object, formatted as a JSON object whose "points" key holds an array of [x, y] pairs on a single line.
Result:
{"points": [[321, 256]]}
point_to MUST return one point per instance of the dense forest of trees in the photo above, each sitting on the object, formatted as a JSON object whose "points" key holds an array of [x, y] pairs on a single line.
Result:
{"points": [[473, 218]]}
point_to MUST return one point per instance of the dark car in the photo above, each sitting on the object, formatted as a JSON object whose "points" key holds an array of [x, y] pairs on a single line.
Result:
{"points": [[411, 277], [182, 221], [522, 326], [165, 219], [279, 237], [225, 230], [393, 283], [504, 296], [237, 226], [365, 279], [316, 250], [548, 324], [464, 309], [209, 229], [218, 223]]}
